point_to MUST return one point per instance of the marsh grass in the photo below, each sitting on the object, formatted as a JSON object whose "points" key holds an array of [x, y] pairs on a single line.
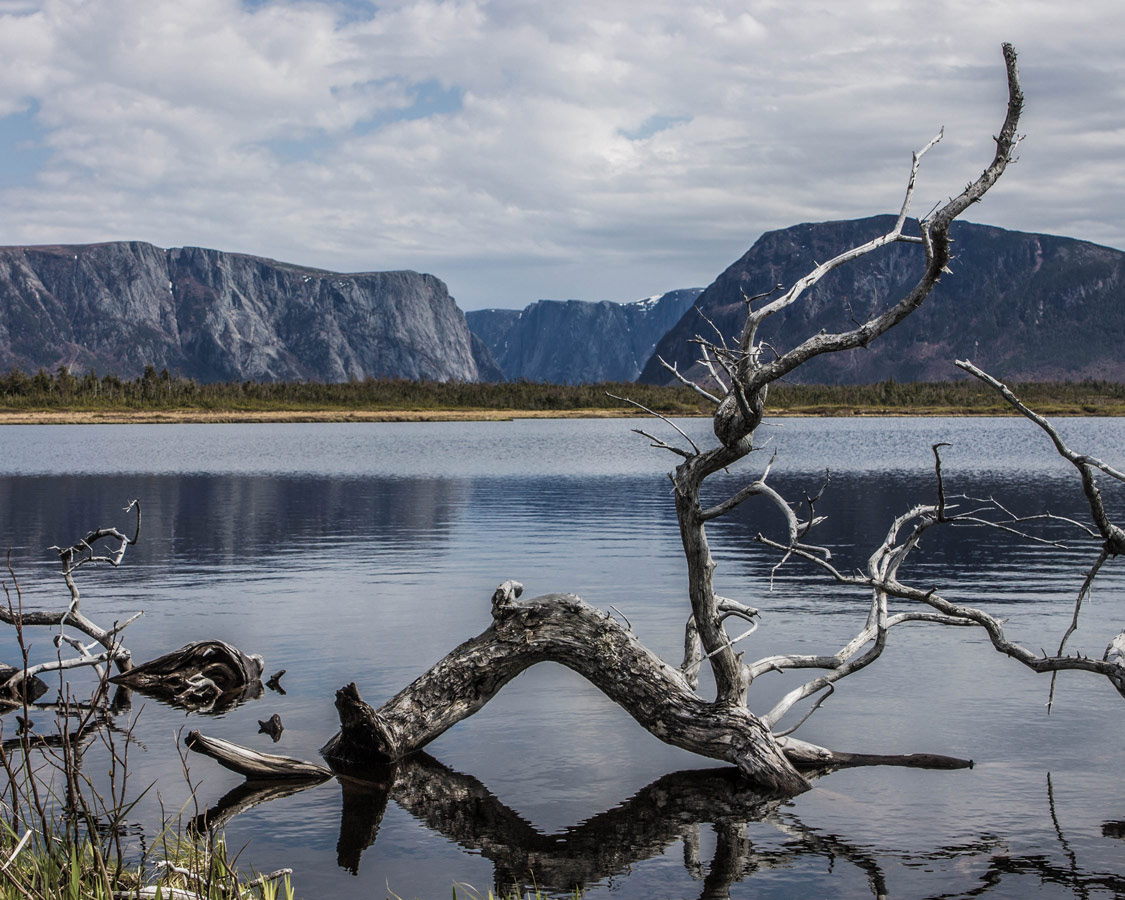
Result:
{"points": [[65, 836]]}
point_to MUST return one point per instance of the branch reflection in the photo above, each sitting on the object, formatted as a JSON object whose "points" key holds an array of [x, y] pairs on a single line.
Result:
{"points": [[673, 809]]}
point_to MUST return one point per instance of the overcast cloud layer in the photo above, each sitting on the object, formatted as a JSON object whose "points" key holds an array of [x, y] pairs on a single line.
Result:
{"points": [[521, 149]]}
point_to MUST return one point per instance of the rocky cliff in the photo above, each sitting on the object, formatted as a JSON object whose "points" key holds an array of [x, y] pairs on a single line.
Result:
{"points": [[1024, 306], [209, 315], [576, 341]]}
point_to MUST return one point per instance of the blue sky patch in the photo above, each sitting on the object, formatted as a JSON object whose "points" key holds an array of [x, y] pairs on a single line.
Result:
{"points": [[22, 151], [654, 124], [430, 99]]}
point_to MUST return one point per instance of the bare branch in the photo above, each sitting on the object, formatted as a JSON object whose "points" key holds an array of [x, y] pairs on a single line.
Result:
{"points": [[916, 162], [940, 484], [822, 269], [935, 239], [22, 675], [657, 415], [837, 672], [714, 327], [809, 554], [1085, 465], [994, 629], [754, 489], [711, 368], [671, 367], [662, 445], [830, 690], [1083, 593]]}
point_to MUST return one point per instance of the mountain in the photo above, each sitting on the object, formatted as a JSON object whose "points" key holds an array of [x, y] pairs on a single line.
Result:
{"points": [[214, 316], [1023, 306], [576, 341]]}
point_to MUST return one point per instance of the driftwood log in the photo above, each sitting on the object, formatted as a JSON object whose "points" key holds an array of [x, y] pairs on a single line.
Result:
{"points": [[564, 629], [253, 764], [664, 699], [200, 676]]}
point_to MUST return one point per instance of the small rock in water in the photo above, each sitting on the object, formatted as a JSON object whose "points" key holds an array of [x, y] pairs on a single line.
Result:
{"points": [[274, 683], [271, 726]]}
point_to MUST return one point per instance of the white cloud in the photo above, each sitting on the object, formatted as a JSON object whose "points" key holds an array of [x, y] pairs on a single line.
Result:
{"points": [[523, 149]]}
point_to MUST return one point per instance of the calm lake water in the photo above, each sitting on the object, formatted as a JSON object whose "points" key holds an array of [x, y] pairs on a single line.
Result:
{"points": [[363, 552]]}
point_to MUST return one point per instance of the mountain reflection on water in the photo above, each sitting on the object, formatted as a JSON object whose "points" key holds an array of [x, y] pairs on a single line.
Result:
{"points": [[365, 552]]}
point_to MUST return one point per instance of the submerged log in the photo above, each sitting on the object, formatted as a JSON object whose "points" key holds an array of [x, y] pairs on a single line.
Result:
{"points": [[808, 756], [564, 629], [200, 676], [27, 689], [274, 683], [252, 763]]}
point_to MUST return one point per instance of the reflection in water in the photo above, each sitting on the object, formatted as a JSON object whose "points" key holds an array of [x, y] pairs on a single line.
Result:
{"points": [[363, 553], [673, 809], [210, 518]]}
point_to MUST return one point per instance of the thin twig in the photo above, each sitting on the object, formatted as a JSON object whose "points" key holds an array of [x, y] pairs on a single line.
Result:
{"points": [[641, 406]]}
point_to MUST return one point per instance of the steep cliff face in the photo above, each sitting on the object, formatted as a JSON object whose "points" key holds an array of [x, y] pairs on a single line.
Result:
{"points": [[575, 341], [217, 316], [1024, 306]]}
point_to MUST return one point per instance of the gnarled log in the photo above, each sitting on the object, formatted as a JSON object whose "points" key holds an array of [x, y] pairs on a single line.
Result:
{"points": [[200, 676], [564, 629]]}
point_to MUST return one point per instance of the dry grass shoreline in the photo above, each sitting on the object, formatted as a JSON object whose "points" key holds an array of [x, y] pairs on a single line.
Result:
{"points": [[244, 416]]}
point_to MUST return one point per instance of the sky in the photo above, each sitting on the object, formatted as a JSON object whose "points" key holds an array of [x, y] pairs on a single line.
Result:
{"points": [[528, 149]]}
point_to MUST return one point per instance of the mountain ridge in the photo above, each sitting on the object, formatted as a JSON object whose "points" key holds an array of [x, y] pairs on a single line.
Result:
{"points": [[212, 315], [1025, 306], [578, 341]]}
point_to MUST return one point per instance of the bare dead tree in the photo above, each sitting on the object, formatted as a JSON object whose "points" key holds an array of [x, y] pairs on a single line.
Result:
{"points": [[665, 699], [85, 552], [203, 676], [661, 697]]}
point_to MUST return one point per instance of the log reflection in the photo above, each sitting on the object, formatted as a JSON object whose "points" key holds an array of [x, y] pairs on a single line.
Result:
{"points": [[673, 808], [676, 808], [363, 804], [246, 796]]}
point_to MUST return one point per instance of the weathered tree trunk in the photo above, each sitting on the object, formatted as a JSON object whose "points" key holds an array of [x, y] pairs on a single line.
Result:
{"points": [[564, 629], [730, 681]]}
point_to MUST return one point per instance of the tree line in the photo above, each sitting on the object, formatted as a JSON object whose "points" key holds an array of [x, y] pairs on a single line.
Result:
{"points": [[62, 389]]}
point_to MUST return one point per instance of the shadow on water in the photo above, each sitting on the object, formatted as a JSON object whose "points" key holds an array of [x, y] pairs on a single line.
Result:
{"points": [[673, 809]]}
